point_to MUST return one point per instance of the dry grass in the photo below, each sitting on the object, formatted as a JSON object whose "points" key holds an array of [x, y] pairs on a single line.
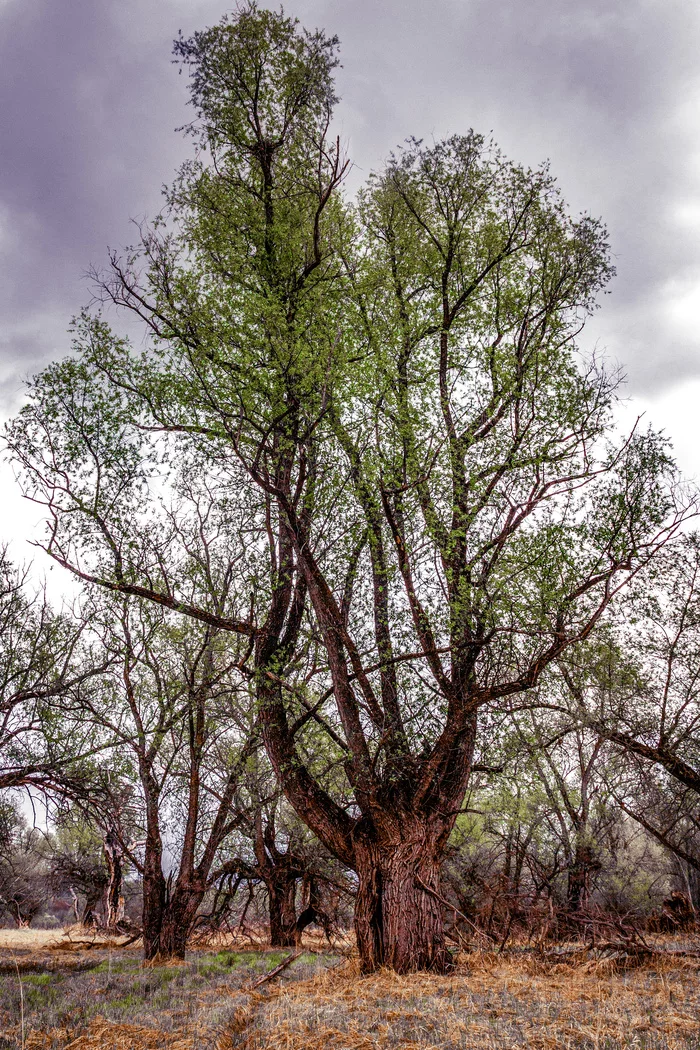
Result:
{"points": [[257, 938], [72, 948], [70, 938], [488, 1003], [105, 1035], [29, 939]]}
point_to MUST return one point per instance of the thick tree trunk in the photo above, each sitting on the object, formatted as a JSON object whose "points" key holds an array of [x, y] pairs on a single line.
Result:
{"points": [[281, 892], [398, 918], [89, 918], [178, 919], [397, 846], [153, 880], [368, 919]]}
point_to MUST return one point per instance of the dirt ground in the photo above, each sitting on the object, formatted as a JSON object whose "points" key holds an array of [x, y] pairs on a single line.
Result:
{"points": [[59, 993]]}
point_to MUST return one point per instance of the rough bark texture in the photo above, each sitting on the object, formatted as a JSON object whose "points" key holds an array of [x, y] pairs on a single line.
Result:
{"points": [[280, 870], [178, 917], [398, 919], [281, 890], [579, 880], [89, 917], [154, 887], [368, 920], [152, 913]]}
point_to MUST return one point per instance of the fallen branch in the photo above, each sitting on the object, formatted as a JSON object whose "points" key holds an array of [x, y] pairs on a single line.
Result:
{"points": [[132, 939], [630, 933], [273, 973]]}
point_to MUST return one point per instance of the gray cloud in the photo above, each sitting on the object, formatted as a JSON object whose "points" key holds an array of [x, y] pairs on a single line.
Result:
{"points": [[90, 102], [608, 89]]}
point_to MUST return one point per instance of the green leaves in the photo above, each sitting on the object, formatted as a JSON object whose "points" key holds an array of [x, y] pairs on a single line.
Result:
{"points": [[258, 75]]}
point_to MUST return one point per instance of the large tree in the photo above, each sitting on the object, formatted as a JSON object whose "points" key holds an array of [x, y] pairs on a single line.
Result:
{"points": [[429, 463]]}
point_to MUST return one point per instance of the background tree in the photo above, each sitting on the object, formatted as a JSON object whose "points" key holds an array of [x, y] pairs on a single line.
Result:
{"points": [[302, 884], [43, 662], [77, 866], [172, 706], [639, 689], [24, 870]]}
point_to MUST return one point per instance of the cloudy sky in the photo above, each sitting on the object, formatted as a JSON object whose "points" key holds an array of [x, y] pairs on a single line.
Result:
{"points": [[608, 90]]}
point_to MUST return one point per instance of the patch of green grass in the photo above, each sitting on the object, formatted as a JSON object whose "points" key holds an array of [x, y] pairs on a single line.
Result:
{"points": [[42, 978], [226, 962], [220, 963], [117, 966], [125, 1002], [41, 998], [165, 974], [227, 958]]}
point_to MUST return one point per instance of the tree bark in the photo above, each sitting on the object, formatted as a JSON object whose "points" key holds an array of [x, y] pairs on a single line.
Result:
{"points": [[178, 918], [114, 901], [398, 918], [314, 910], [89, 919], [152, 914], [154, 894], [281, 890], [579, 880]]}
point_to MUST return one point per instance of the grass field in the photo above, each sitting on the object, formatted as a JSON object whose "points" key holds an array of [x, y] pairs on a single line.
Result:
{"points": [[102, 998]]}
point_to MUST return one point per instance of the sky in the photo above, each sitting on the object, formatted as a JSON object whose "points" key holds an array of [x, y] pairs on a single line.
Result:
{"points": [[607, 90]]}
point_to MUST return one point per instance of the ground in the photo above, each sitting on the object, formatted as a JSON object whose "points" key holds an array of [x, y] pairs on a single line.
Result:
{"points": [[59, 992]]}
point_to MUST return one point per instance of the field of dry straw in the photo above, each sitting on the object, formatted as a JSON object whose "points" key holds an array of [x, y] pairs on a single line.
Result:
{"points": [[103, 999]]}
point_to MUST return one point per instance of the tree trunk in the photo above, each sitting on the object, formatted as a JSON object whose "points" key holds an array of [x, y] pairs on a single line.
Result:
{"points": [[692, 882], [89, 918], [153, 884], [281, 892], [368, 919], [153, 910], [114, 901], [313, 912], [177, 923], [579, 881], [398, 918]]}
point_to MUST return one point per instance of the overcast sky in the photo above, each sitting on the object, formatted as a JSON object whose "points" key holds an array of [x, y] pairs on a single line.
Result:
{"points": [[608, 90]]}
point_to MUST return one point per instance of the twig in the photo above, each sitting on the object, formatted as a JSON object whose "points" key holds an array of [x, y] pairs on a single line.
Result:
{"points": [[506, 935]]}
